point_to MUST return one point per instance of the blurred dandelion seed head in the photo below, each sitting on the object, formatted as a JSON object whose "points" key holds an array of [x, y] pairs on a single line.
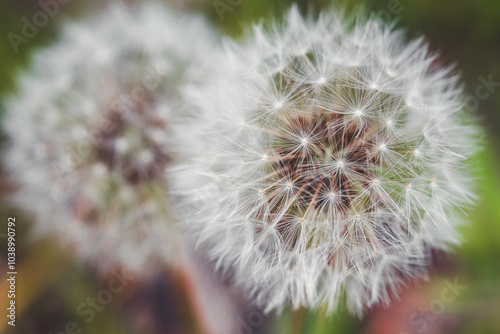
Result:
{"points": [[96, 112]]}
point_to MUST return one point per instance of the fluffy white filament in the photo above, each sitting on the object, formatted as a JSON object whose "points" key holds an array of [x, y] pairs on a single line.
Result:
{"points": [[90, 131], [327, 157]]}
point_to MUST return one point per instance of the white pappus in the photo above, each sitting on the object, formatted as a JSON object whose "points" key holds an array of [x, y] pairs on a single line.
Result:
{"points": [[327, 157], [96, 111]]}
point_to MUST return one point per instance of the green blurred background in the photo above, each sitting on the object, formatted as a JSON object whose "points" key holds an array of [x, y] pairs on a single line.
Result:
{"points": [[466, 33]]}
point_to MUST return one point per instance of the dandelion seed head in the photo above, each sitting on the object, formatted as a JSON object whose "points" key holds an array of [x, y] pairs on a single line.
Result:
{"points": [[343, 152], [102, 120]]}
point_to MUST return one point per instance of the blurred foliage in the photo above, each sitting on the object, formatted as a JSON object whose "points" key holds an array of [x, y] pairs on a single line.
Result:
{"points": [[465, 32]]}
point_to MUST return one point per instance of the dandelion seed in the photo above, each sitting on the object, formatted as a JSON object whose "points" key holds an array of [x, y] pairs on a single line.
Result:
{"points": [[146, 157], [121, 145]]}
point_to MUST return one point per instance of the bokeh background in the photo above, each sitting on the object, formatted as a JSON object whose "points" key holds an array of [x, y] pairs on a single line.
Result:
{"points": [[462, 293]]}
